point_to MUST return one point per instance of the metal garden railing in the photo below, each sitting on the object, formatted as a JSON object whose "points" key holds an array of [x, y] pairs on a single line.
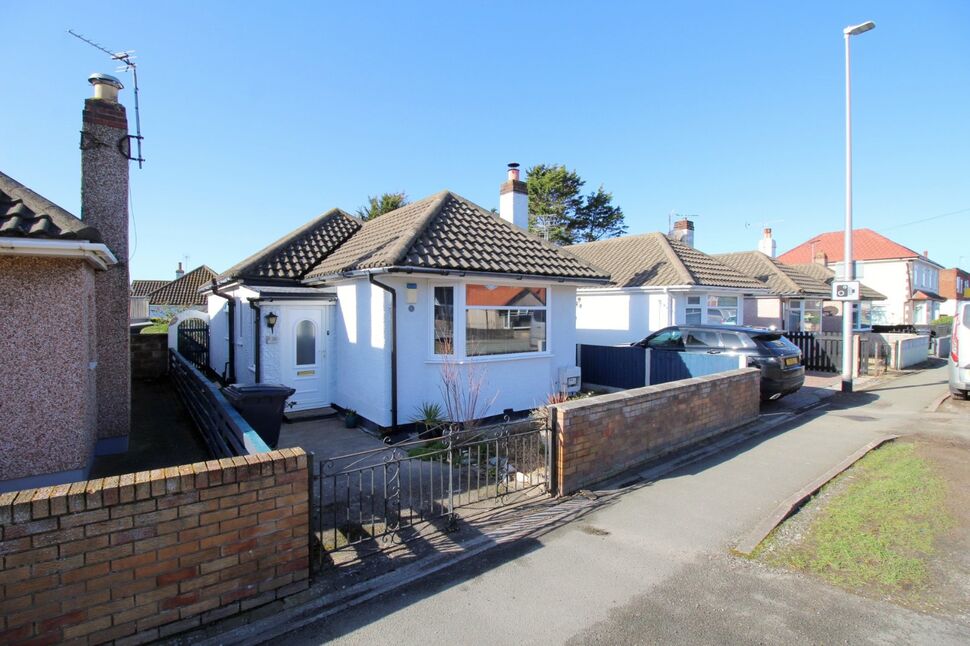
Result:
{"points": [[377, 495]]}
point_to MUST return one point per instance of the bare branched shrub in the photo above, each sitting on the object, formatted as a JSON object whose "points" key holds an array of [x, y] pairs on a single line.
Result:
{"points": [[462, 389]]}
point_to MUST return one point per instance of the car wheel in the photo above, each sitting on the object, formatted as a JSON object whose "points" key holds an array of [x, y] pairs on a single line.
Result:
{"points": [[960, 394]]}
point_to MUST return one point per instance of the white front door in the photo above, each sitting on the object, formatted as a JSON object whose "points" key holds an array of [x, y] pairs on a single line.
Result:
{"points": [[306, 344]]}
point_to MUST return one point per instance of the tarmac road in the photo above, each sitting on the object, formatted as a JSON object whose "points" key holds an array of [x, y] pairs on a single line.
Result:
{"points": [[655, 565]]}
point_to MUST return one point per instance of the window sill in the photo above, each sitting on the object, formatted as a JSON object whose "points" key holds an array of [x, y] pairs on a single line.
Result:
{"points": [[495, 358]]}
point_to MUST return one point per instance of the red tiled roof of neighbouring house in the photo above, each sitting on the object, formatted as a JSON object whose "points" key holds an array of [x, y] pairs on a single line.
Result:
{"points": [[866, 245], [184, 290]]}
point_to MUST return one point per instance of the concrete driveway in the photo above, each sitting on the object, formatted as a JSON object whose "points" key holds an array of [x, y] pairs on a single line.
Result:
{"points": [[655, 566]]}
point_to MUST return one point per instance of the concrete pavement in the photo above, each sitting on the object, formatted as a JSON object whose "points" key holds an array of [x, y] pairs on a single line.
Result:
{"points": [[655, 565]]}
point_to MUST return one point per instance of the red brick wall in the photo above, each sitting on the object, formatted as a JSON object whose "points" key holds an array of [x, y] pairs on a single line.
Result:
{"points": [[603, 436], [145, 555]]}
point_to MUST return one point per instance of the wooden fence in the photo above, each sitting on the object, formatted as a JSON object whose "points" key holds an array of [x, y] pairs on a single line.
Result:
{"points": [[224, 430]]}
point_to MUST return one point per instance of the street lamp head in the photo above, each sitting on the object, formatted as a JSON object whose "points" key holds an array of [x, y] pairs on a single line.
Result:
{"points": [[855, 30]]}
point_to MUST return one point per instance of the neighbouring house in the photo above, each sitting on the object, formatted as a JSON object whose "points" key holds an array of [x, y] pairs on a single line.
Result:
{"points": [[369, 316], [832, 310], [800, 299], [138, 299], [64, 331], [908, 280], [656, 280], [180, 294], [954, 286]]}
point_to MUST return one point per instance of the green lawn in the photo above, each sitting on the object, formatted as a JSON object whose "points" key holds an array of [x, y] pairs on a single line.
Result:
{"points": [[878, 529], [157, 327]]}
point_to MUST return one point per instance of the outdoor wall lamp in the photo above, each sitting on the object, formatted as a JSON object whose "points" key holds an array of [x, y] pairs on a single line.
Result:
{"points": [[271, 320]]}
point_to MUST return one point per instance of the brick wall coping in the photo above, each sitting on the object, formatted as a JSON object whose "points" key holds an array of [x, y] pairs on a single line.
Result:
{"points": [[623, 396], [32, 504]]}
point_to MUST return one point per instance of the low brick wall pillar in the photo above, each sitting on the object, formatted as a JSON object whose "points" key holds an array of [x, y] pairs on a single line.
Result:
{"points": [[145, 555], [149, 356], [603, 436]]}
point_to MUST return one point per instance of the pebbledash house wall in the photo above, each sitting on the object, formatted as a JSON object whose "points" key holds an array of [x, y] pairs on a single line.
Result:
{"points": [[603, 436], [48, 356], [142, 556]]}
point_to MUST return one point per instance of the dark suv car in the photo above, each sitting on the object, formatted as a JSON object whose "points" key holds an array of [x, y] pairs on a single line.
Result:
{"points": [[780, 360]]}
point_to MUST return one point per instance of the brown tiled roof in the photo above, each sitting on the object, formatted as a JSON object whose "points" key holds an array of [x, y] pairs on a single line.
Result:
{"points": [[866, 245], [447, 232], [146, 287], [25, 214], [781, 279], [654, 260], [293, 255], [184, 290], [826, 275]]}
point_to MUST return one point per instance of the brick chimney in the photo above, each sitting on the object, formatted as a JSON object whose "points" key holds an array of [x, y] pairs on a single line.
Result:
{"points": [[104, 205], [684, 231], [179, 272], [821, 258], [767, 244], [513, 201]]}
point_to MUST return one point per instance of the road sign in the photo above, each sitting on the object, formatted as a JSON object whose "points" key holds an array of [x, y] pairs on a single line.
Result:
{"points": [[845, 290]]}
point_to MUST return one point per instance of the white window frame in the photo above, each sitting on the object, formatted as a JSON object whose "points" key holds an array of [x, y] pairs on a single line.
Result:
{"points": [[460, 321], [737, 307]]}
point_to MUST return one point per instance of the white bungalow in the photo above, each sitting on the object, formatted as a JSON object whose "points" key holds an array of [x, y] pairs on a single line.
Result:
{"points": [[365, 316]]}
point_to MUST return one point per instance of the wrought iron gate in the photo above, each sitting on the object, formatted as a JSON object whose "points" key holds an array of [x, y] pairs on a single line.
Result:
{"points": [[378, 496], [193, 342]]}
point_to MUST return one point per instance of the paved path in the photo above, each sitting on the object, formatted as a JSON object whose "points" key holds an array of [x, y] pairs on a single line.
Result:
{"points": [[655, 565]]}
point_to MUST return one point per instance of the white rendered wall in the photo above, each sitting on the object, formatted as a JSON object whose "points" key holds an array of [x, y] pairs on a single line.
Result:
{"points": [[890, 279], [362, 381], [219, 333], [611, 318], [517, 383]]}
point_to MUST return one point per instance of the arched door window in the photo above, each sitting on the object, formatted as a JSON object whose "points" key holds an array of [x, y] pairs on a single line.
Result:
{"points": [[306, 343]]}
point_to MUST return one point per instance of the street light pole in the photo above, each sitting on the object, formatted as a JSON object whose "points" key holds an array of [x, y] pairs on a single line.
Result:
{"points": [[848, 272]]}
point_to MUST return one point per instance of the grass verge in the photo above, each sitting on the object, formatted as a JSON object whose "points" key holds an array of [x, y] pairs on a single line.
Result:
{"points": [[878, 529]]}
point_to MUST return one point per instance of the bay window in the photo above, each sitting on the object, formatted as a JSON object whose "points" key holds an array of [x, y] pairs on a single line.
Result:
{"points": [[478, 320], [501, 319], [722, 310]]}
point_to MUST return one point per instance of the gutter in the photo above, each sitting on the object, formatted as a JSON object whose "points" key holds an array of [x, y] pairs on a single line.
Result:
{"points": [[455, 272], [393, 293], [229, 374], [95, 253], [257, 313]]}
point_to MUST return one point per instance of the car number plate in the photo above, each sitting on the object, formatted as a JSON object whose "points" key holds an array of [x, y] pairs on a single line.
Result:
{"points": [[791, 361]]}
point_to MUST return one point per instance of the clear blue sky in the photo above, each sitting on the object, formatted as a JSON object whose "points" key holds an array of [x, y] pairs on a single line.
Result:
{"points": [[257, 117]]}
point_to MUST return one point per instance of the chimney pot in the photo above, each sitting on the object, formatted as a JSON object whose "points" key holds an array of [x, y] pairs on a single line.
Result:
{"points": [[514, 199], [105, 87], [767, 244], [683, 231]]}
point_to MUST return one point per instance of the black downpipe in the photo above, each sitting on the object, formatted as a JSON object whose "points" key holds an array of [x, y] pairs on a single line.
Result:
{"points": [[390, 290], [230, 373], [256, 331]]}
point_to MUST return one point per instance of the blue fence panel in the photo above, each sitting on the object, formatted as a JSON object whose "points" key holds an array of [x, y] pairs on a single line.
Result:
{"points": [[671, 366], [614, 366]]}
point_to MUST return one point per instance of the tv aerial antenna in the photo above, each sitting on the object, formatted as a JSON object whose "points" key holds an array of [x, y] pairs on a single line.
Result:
{"points": [[764, 223], [127, 61], [679, 216]]}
